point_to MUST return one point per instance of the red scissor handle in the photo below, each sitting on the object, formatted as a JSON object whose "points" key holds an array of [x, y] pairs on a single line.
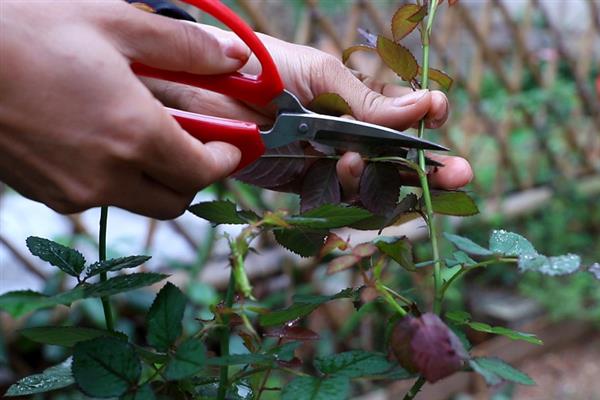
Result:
{"points": [[260, 89]]}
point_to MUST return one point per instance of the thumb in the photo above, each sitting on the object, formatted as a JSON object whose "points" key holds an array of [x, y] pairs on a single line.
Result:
{"points": [[176, 45]]}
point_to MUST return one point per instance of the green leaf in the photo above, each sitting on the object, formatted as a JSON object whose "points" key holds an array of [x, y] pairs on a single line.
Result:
{"points": [[19, 303], [467, 245], [494, 371], [441, 78], [330, 104], [398, 58], [165, 316], [188, 360], [66, 336], [53, 378], [105, 367], [331, 216], [303, 306], [115, 264], [144, 392], [510, 244], [553, 266], [353, 364], [304, 242], [398, 249], [69, 260], [222, 212], [350, 50], [453, 203], [406, 19], [313, 388], [241, 359], [123, 283], [459, 258], [464, 318]]}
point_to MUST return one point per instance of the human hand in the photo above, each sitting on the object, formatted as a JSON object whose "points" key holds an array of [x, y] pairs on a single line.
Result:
{"points": [[78, 129], [308, 72]]}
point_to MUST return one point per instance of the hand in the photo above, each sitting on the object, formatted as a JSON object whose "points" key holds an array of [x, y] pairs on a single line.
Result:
{"points": [[308, 72], [78, 129]]}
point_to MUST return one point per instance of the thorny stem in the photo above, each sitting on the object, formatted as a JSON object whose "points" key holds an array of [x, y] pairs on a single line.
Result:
{"points": [[437, 266], [102, 257], [224, 337]]}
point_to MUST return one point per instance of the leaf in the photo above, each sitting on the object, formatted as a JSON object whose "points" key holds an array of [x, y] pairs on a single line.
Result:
{"points": [[453, 203], [467, 245], [105, 367], [123, 283], [330, 104], [510, 244], [353, 364], [21, 302], [364, 250], [303, 242], [115, 264], [320, 186], [398, 58], [352, 49], [333, 242], [313, 388], [379, 188], [464, 318], [271, 171], [53, 378], [69, 260], [331, 216], [398, 249], [441, 78], [403, 210], [66, 336], [495, 370], [144, 392], [406, 19], [342, 263], [303, 306], [164, 317], [553, 266], [222, 212], [292, 333], [188, 360], [459, 258]]}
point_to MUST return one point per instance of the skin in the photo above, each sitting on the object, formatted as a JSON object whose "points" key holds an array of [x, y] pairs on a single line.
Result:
{"points": [[78, 129]]}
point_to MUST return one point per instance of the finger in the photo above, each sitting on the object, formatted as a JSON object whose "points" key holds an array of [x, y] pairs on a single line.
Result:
{"points": [[176, 45], [143, 195], [349, 169], [435, 117], [455, 173], [201, 101]]}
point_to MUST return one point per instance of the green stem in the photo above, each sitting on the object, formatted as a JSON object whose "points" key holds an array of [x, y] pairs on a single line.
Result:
{"points": [[224, 337], [473, 266], [108, 317], [415, 389], [390, 299], [437, 266]]}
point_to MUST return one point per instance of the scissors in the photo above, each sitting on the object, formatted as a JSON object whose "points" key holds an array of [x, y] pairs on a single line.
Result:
{"points": [[293, 122]]}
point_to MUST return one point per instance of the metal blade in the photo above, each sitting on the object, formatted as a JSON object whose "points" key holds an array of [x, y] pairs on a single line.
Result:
{"points": [[340, 133]]}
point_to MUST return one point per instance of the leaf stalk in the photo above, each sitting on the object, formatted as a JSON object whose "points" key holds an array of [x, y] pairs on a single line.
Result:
{"points": [[108, 317]]}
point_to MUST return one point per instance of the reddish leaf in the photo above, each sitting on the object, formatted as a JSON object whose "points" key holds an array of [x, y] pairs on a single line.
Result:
{"points": [[406, 19], [292, 333], [364, 250], [436, 351], [400, 343], [330, 104], [359, 47], [398, 58], [273, 172], [342, 263], [320, 185], [379, 188], [333, 242], [452, 2]]}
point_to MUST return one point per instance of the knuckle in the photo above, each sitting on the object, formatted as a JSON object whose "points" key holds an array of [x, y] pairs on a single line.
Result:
{"points": [[130, 133]]}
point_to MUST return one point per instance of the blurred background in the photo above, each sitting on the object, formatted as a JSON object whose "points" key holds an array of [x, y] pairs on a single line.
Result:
{"points": [[525, 113]]}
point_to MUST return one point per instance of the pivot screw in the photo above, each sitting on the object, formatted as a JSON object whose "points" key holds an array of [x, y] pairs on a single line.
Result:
{"points": [[303, 127]]}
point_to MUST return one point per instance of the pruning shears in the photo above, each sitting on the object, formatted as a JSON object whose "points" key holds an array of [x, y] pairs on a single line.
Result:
{"points": [[292, 123]]}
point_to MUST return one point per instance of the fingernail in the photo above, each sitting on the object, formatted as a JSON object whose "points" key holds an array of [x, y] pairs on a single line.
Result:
{"points": [[356, 166], [410, 99], [234, 49]]}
